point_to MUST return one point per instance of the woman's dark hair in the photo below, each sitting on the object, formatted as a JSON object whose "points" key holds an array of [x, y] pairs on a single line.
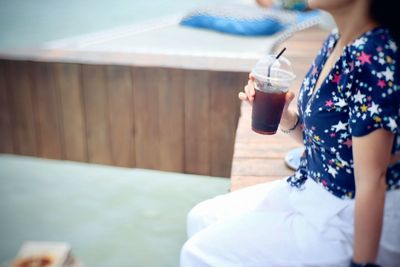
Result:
{"points": [[386, 13]]}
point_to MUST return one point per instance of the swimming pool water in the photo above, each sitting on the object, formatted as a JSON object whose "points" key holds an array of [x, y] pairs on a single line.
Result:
{"points": [[30, 23]]}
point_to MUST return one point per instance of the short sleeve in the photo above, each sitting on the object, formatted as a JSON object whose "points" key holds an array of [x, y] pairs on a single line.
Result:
{"points": [[374, 93]]}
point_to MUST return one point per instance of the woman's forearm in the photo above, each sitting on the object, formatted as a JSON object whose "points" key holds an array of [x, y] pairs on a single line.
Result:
{"points": [[288, 121], [369, 206]]}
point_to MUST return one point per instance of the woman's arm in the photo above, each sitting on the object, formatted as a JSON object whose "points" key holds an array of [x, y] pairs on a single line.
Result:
{"points": [[371, 154], [289, 118], [288, 121]]}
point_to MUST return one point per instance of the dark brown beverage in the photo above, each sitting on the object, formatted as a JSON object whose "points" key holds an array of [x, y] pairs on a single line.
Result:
{"points": [[267, 111]]}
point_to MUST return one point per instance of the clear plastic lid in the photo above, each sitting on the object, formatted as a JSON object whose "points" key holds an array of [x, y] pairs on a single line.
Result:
{"points": [[272, 72]]}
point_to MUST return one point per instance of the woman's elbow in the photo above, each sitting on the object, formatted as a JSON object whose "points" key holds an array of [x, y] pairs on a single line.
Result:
{"points": [[374, 181]]}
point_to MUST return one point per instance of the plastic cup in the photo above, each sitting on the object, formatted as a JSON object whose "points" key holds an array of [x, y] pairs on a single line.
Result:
{"points": [[273, 77]]}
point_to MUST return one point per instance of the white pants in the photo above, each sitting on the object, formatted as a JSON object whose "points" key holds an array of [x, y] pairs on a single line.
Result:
{"points": [[275, 225]]}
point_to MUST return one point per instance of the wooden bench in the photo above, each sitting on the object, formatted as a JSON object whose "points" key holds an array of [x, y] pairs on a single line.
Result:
{"points": [[258, 158]]}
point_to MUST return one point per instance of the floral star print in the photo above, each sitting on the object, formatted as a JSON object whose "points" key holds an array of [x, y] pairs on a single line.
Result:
{"points": [[359, 95], [364, 58]]}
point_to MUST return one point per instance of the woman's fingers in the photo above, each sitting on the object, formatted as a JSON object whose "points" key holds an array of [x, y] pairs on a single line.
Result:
{"points": [[249, 90], [288, 98], [249, 93], [243, 96]]}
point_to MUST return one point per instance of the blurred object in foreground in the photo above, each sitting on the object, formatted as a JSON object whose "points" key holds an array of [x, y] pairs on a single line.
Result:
{"points": [[45, 254]]}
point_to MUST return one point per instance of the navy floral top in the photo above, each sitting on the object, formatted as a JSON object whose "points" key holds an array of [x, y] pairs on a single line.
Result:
{"points": [[359, 95]]}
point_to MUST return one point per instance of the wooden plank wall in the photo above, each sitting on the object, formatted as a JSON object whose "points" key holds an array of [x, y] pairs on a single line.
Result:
{"points": [[154, 118]]}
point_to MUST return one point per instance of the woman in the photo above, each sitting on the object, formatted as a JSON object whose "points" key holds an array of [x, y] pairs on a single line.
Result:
{"points": [[342, 206]]}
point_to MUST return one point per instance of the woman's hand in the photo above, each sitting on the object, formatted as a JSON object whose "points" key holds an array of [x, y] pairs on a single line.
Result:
{"points": [[249, 94], [288, 119], [249, 91]]}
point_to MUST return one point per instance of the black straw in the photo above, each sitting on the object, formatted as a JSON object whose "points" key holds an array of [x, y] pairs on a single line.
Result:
{"points": [[270, 66], [280, 53]]}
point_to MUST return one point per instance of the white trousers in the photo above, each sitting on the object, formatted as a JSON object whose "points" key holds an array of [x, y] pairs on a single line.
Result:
{"points": [[276, 225]]}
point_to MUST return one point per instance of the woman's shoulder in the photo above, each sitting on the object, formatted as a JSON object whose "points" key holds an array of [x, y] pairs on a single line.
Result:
{"points": [[373, 94], [374, 46]]}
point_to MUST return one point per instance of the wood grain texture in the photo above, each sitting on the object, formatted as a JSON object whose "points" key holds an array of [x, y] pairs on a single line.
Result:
{"points": [[96, 113], [146, 110], [121, 115], [260, 167], [197, 122], [67, 79], [46, 103], [19, 91], [242, 82], [155, 118], [6, 143], [171, 121], [223, 104]]}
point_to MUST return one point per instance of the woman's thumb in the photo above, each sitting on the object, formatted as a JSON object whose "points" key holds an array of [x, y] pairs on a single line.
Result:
{"points": [[288, 98]]}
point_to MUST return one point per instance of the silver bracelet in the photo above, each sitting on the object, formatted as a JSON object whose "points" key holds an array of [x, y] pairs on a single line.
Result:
{"points": [[288, 131]]}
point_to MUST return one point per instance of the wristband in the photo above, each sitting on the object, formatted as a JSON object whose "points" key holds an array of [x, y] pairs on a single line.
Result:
{"points": [[288, 131]]}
